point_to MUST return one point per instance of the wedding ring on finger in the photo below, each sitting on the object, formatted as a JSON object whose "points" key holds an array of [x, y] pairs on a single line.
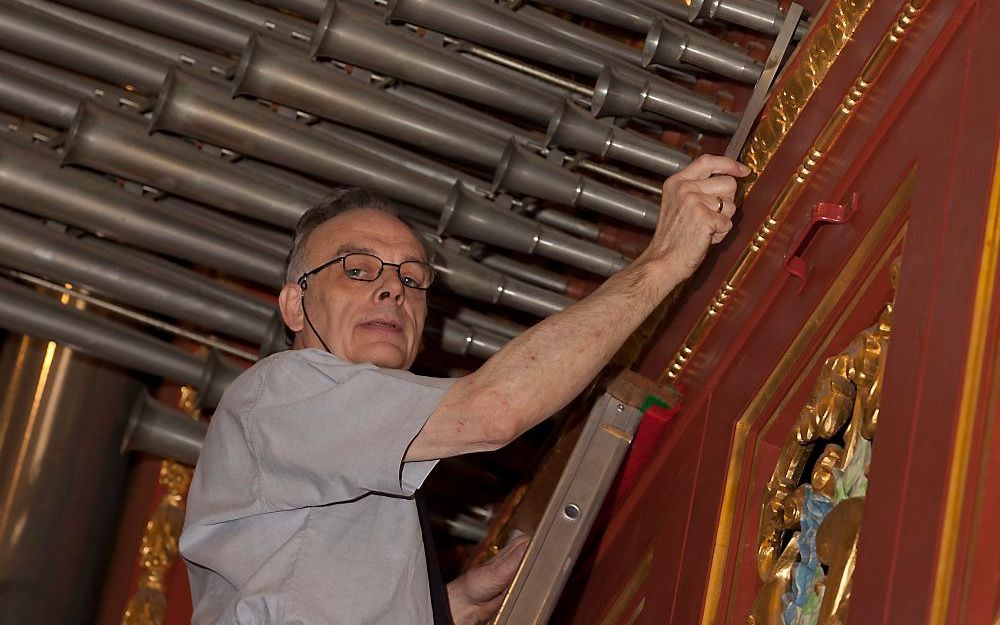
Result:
{"points": [[722, 203]]}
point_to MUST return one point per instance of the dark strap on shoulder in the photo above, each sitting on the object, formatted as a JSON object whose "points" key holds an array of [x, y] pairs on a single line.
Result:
{"points": [[439, 596]]}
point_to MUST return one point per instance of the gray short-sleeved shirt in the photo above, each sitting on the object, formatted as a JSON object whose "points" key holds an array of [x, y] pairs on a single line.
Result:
{"points": [[301, 507]]}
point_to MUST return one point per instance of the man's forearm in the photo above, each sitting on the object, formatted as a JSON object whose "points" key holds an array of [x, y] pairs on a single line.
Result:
{"points": [[545, 367]]}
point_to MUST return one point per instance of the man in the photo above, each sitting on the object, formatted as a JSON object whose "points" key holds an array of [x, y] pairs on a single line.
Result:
{"points": [[301, 507]]}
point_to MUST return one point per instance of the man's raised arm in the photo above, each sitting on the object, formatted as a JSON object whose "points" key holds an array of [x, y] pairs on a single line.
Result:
{"points": [[544, 368]]}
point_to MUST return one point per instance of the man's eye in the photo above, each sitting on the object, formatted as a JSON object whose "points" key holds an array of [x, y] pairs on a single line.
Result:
{"points": [[409, 281], [356, 273]]}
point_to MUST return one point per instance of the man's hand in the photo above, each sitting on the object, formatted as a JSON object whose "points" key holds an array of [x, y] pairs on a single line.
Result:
{"points": [[476, 595], [695, 212]]}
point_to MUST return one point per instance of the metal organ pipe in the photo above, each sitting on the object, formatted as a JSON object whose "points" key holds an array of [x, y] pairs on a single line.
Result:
{"points": [[269, 72], [32, 180], [25, 311], [351, 34]]}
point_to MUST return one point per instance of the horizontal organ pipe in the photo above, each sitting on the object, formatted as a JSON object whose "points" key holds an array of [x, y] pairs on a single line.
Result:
{"points": [[191, 106], [166, 48], [111, 142], [492, 26], [154, 428], [522, 172], [267, 71], [458, 338], [24, 311], [32, 180], [41, 36], [28, 245], [572, 126], [351, 34]]}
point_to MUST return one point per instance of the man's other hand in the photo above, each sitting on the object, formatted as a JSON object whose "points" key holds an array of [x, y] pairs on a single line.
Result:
{"points": [[476, 595], [695, 211]]}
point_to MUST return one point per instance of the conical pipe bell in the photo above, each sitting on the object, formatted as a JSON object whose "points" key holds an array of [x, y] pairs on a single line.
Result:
{"points": [[351, 34], [154, 428], [573, 127], [469, 278], [33, 181], [270, 72], [108, 141], [757, 16], [458, 338], [25, 311], [28, 245], [190, 106], [167, 49], [670, 46], [526, 173], [615, 94], [468, 216], [41, 36]]}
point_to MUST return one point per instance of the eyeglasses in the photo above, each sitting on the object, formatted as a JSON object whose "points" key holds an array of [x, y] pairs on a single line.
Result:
{"points": [[412, 274]]}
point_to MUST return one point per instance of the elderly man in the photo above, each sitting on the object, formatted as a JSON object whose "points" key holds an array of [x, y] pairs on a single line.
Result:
{"points": [[301, 509]]}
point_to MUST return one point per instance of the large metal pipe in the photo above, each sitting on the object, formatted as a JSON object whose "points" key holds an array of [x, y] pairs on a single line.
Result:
{"points": [[352, 34], [611, 48], [669, 45], [28, 245], [494, 27], [167, 48], [154, 428], [467, 277], [46, 38], [191, 106], [45, 102], [118, 144], [63, 413], [263, 20], [529, 273], [82, 86], [25, 311], [496, 325], [467, 216], [401, 156], [573, 127], [674, 8], [179, 19], [308, 9], [759, 16], [618, 95], [270, 72], [522, 172], [446, 107], [32, 180]]}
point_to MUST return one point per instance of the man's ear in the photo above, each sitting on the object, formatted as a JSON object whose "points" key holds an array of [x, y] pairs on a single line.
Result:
{"points": [[290, 305]]}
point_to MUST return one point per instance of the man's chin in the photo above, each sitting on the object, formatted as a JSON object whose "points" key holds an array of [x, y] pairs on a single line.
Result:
{"points": [[386, 356]]}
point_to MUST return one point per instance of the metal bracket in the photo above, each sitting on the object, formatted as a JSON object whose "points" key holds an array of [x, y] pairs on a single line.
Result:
{"points": [[822, 213]]}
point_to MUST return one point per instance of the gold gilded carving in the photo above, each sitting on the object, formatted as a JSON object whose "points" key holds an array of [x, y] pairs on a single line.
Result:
{"points": [[159, 546], [837, 548], [825, 140], [824, 509], [821, 49], [766, 609]]}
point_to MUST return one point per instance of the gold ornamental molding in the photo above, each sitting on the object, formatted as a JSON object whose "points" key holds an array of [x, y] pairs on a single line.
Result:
{"points": [[793, 188], [823, 47], [159, 547]]}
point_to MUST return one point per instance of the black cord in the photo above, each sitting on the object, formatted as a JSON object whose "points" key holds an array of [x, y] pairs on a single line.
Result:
{"points": [[303, 285]]}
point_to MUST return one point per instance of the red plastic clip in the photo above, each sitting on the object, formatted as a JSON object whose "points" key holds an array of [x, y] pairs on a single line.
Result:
{"points": [[822, 213]]}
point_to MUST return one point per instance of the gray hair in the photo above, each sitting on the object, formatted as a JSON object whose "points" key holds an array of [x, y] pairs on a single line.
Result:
{"points": [[342, 200]]}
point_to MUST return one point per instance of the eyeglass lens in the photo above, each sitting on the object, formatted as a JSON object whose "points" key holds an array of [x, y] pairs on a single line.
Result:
{"points": [[414, 274]]}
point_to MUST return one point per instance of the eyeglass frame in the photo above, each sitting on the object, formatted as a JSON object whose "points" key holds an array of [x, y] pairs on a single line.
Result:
{"points": [[303, 279]]}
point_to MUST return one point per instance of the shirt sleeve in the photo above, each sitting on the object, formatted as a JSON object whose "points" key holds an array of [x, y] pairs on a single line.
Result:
{"points": [[324, 432]]}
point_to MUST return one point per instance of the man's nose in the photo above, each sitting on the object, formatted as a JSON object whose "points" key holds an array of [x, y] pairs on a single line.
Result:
{"points": [[390, 286]]}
